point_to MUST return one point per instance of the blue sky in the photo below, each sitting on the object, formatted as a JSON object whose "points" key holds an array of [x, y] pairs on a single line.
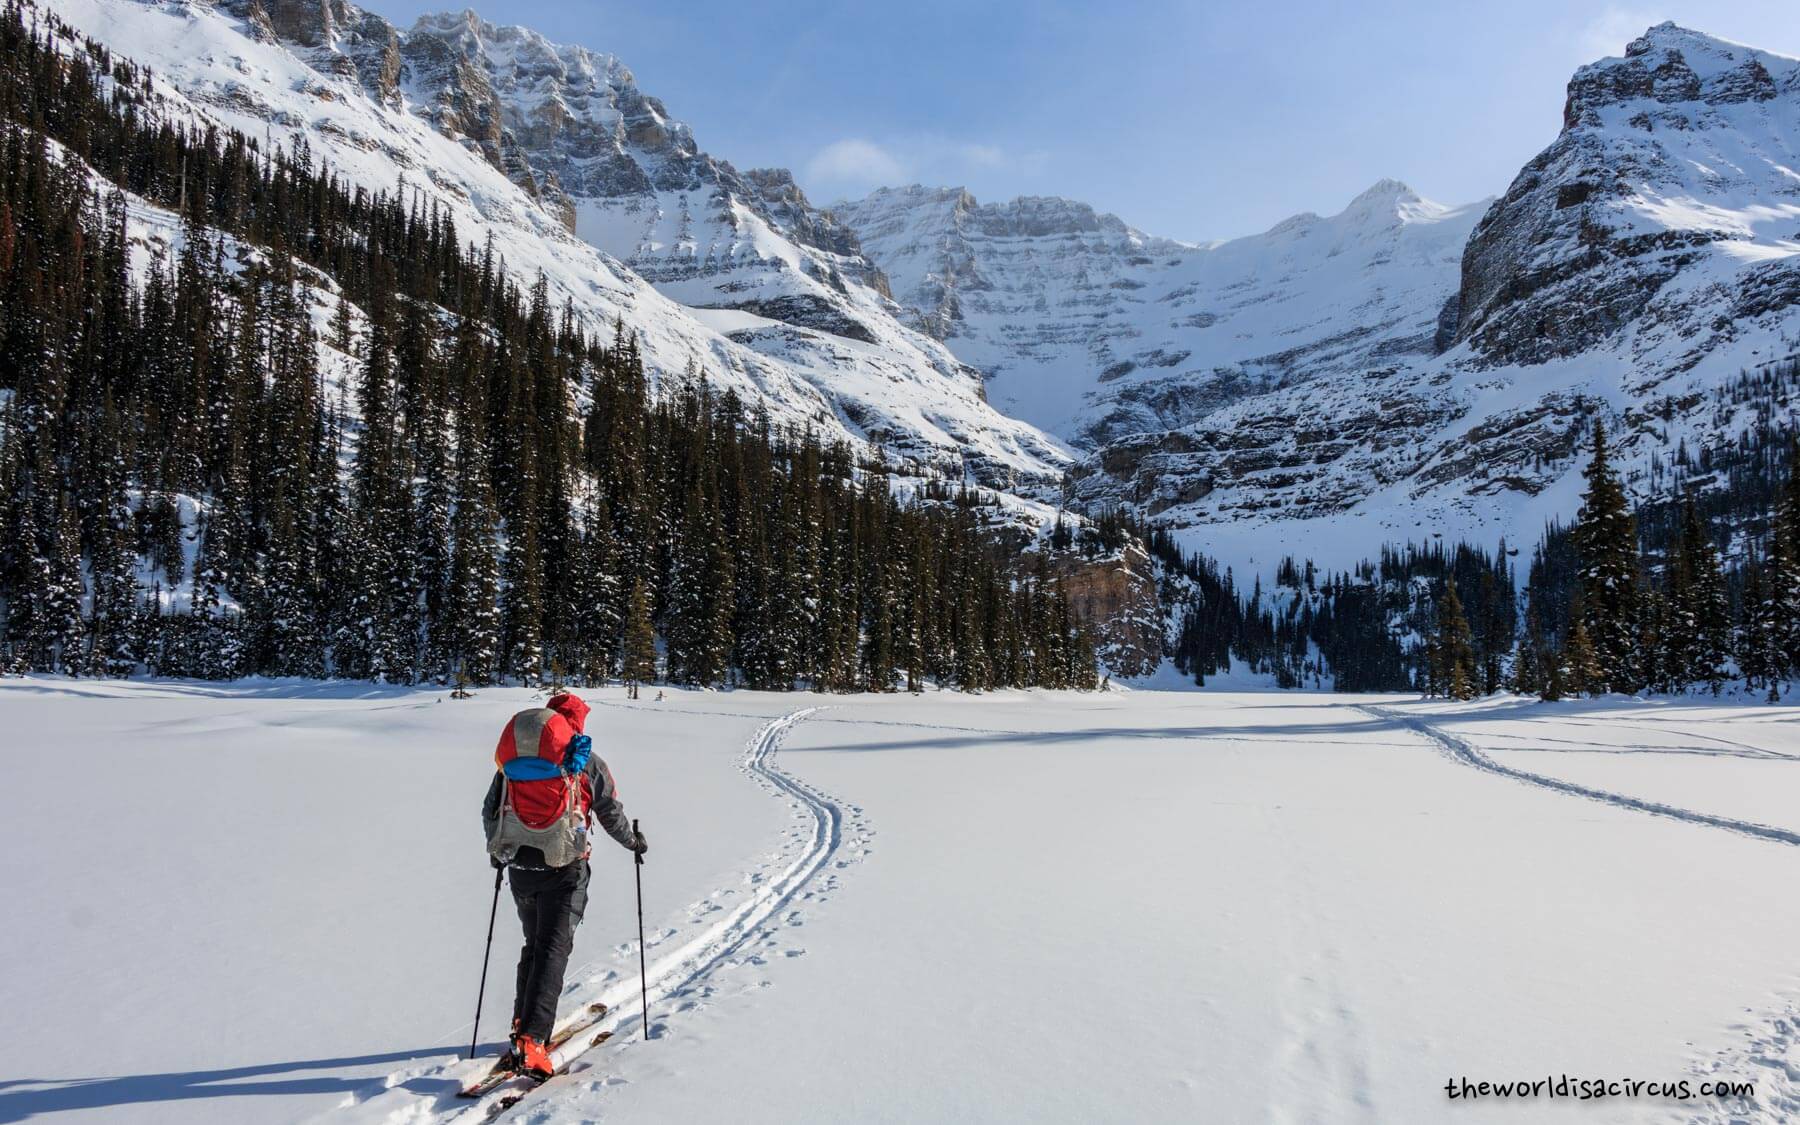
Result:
{"points": [[1193, 120]]}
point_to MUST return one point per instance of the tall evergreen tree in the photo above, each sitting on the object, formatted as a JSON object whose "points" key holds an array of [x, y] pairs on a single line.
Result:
{"points": [[1455, 647], [1782, 573], [1605, 539], [1759, 651], [1700, 611], [639, 642]]}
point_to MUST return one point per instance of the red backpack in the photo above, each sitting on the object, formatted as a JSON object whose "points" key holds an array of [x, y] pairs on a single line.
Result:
{"points": [[545, 796]]}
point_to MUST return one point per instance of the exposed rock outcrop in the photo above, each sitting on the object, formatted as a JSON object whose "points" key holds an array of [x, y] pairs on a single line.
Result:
{"points": [[1659, 154], [1116, 599]]}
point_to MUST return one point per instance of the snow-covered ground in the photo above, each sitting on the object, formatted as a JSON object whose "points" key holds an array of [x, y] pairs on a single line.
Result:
{"points": [[266, 902]]}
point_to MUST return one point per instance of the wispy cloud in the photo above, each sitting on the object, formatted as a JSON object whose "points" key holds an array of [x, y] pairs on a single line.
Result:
{"points": [[1607, 32], [855, 164], [984, 156]]}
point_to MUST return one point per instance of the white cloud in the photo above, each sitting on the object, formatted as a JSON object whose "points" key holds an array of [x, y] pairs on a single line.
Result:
{"points": [[1606, 34], [856, 163], [983, 156]]}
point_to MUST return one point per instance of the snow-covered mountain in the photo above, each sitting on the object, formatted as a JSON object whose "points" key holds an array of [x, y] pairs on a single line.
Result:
{"points": [[556, 155], [1401, 368], [1095, 330]]}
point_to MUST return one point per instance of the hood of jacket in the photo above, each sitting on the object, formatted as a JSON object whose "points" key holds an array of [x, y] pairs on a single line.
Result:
{"points": [[570, 707]]}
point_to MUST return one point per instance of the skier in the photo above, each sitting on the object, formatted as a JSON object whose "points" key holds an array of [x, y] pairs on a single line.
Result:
{"points": [[547, 791]]}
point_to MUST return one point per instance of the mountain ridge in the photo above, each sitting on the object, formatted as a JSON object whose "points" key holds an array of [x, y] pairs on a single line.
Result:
{"points": [[1151, 322]]}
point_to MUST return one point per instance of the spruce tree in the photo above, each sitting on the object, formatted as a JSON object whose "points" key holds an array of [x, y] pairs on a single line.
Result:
{"points": [[113, 627], [1700, 609], [639, 643], [434, 543], [1454, 646], [1529, 673], [1605, 539], [472, 603], [1494, 634], [1759, 653], [595, 610], [1782, 578], [1579, 672]]}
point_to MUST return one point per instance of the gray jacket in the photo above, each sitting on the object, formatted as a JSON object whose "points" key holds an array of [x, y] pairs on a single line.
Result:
{"points": [[603, 801]]}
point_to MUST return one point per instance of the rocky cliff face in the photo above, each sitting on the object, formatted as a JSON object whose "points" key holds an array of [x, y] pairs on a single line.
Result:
{"points": [[342, 40], [1666, 212], [630, 179], [1116, 598]]}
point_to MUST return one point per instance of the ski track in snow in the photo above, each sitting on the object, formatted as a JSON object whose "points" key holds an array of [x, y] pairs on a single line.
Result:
{"points": [[1466, 753], [682, 980], [1769, 1051]]}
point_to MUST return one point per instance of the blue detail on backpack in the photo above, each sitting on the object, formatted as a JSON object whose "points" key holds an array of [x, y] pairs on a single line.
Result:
{"points": [[531, 769], [575, 758]]}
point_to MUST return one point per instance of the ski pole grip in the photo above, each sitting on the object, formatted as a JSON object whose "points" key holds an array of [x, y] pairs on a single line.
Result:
{"points": [[635, 854]]}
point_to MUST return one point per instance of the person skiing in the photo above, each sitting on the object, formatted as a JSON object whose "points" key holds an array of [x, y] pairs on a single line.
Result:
{"points": [[548, 790]]}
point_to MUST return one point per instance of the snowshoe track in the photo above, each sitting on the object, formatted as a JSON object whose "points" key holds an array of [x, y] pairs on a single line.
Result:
{"points": [[769, 906], [1466, 753]]}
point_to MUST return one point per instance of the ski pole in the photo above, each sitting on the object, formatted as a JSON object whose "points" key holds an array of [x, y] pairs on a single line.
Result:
{"points": [[493, 911], [643, 979]]}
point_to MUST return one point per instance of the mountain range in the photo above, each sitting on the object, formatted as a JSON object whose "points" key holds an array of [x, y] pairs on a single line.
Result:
{"points": [[1398, 369], [1402, 367]]}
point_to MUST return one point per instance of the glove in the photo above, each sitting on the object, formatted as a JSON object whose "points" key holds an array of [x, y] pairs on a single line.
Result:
{"points": [[575, 758], [637, 844], [496, 862]]}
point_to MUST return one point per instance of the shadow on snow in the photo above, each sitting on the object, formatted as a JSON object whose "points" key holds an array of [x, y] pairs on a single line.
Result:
{"points": [[25, 1098]]}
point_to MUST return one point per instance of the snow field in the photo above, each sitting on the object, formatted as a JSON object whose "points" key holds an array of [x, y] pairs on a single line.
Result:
{"points": [[1143, 906], [277, 893]]}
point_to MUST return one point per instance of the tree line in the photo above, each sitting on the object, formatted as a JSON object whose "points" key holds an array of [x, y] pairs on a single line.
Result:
{"points": [[1626, 598]]}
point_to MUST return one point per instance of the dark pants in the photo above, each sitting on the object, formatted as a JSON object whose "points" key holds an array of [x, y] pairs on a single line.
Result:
{"points": [[550, 905]]}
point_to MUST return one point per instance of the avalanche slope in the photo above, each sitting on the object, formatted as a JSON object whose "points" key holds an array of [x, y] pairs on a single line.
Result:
{"points": [[680, 978]]}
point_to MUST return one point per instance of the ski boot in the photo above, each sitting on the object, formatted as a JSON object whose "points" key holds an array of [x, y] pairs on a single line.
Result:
{"points": [[534, 1058]]}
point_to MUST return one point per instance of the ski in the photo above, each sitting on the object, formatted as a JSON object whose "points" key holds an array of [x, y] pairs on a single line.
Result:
{"points": [[580, 1022], [506, 1066], [507, 1101]]}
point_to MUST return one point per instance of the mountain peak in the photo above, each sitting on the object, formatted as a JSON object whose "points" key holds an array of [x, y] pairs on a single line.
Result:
{"points": [[511, 45], [1386, 190], [1385, 199], [1388, 202], [1671, 36], [1671, 65]]}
